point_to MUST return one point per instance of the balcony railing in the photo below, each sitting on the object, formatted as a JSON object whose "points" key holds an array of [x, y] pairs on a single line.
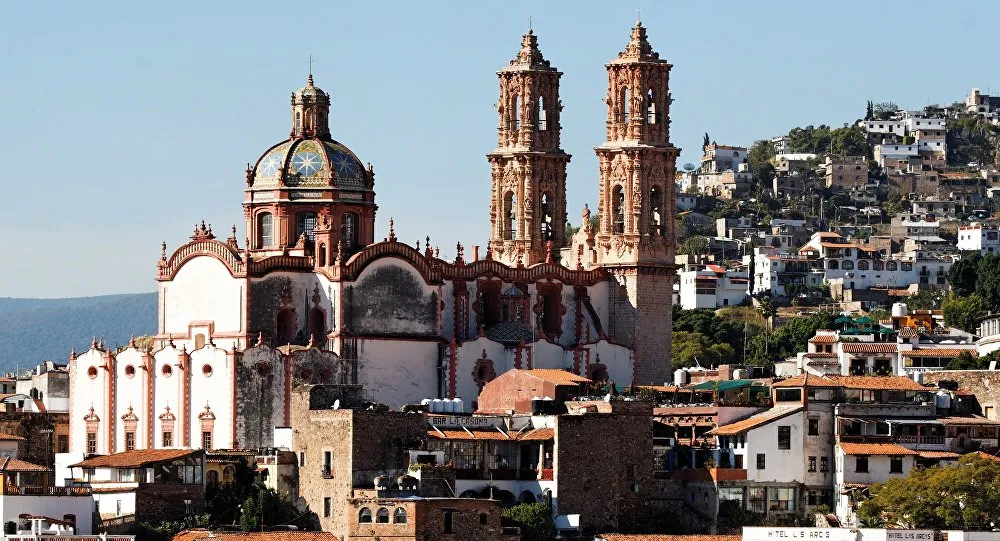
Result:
{"points": [[926, 440], [13, 490], [327, 472], [503, 474]]}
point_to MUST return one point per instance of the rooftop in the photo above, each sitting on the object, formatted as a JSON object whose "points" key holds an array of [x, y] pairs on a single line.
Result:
{"points": [[756, 420], [198, 535], [893, 449], [136, 458], [556, 376]]}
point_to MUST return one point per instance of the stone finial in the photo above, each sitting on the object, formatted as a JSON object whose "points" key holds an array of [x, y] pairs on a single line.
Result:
{"points": [[392, 230], [459, 254], [529, 55], [131, 342], [163, 250], [72, 354], [339, 260], [489, 251], [418, 245], [428, 251], [437, 252], [548, 251], [638, 47]]}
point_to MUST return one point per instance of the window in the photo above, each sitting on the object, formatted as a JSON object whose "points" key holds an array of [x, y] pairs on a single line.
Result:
{"points": [[547, 221], [265, 223], [510, 214], [788, 395], [483, 518], [302, 458], [212, 477], [305, 222], [199, 342], [626, 105], [650, 107], [448, 524], [327, 463], [167, 439], [618, 210], [761, 461], [328, 510], [655, 211], [348, 231], [816, 497], [515, 119], [130, 441], [206, 440], [91, 443], [781, 499], [365, 515], [895, 464], [861, 464], [399, 516], [784, 437], [542, 114], [814, 427], [62, 443], [382, 516], [812, 464]]}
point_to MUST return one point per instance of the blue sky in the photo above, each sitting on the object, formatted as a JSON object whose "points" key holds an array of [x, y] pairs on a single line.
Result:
{"points": [[124, 123]]}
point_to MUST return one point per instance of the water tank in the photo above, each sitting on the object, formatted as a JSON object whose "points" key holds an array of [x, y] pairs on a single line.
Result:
{"points": [[426, 402], [436, 406], [899, 309], [918, 377], [942, 400], [680, 377], [447, 406], [741, 373], [458, 405]]}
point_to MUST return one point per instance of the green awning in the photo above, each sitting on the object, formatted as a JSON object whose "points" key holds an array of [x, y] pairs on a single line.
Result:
{"points": [[723, 386], [884, 330], [863, 319], [843, 319]]}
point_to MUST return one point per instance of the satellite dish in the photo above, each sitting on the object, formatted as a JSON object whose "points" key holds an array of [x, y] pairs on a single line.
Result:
{"points": [[689, 166]]}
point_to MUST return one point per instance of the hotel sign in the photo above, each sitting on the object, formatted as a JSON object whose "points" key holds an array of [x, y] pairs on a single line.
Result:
{"points": [[803, 534]]}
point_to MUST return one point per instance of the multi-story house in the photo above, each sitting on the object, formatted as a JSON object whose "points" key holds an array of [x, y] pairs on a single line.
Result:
{"points": [[724, 172], [939, 208], [982, 104], [712, 287], [846, 171], [979, 237], [782, 273]]}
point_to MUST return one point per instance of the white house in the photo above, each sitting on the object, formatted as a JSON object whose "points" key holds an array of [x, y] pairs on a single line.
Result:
{"points": [[713, 287], [979, 237]]}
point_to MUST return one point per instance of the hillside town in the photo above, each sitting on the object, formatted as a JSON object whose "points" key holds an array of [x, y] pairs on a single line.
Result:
{"points": [[796, 338]]}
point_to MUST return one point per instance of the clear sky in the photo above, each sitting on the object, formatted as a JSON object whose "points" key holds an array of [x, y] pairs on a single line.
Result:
{"points": [[124, 123]]}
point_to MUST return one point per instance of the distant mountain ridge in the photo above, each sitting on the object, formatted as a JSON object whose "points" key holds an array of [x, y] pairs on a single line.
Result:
{"points": [[35, 330]]}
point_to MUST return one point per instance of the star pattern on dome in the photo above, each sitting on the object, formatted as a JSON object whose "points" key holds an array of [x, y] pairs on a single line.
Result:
{"points": [[345, 165], [270, 165], [307, 163]]}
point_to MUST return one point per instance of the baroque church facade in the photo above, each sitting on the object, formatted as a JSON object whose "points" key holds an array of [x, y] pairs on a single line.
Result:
{"points": [[311, 297]]}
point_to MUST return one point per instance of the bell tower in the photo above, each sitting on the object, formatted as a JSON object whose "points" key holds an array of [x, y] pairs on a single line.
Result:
{"points": [[635, 241], [528, 202]]}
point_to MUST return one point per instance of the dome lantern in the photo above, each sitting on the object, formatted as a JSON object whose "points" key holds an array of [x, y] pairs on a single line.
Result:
{"points": [[310, 111]]}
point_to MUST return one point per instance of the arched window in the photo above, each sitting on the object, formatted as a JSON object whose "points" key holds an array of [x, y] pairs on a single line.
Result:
{"points": [[265, 226], [655, 211], [510, 218], [317, 327], [212, 477], [399, 516], [618, 210], [546, 216], [322, 255], [863, 265], [526, 497], [228, 474], [285, 327], [543, 116], [298, 122], [878, 265], [650, 107], [515, 114], [626, 106], [349, 230], [382, 516], [833, 264], [848, 265], [890, 266], [365, 515], [305, 222]]}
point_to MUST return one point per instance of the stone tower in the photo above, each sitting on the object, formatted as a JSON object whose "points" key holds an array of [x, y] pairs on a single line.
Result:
{"points": [[635, 241], [528, 203]]}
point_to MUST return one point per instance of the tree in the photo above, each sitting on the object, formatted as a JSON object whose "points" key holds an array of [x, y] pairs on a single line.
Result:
{"points": [[967, 361], [535, 520], [849, 141], [962, 274], [961, 497], [759, 161], [964, 312], [696, 245], [705, 142], [690, 348], [870, 111], [925, 299], [884, 110]]}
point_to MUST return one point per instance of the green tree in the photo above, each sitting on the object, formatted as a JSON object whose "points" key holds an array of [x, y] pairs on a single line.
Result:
{"points": [[870, 111], [759, 158], [925, 299], [961, 497], [849, 141], [535, 520], [968, 361], [689, 348], [884, 110], [705, 142], [696, 245], [962, 274], [964, 312]]}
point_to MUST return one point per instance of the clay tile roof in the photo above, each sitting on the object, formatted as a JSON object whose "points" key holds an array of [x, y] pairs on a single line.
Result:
{"points": [[987, 456], [478, 434], [908, 332], [15, 465], [820, 355], [875, 449], [664, 537], [970, 420], [10, 437], [939, 352], [947, 455], [837, 245], [136, 458], [868, 347], [823, 339], [556, 376], [661, 388], [883, 383], [805, 380], [828, 234], [537, 434], [754, 421], [199, 535]]}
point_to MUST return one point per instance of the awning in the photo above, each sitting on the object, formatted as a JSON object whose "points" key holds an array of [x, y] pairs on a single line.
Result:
{"points": [[725, 385]]}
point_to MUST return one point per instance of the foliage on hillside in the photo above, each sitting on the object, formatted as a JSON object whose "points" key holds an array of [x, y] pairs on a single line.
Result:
{"points": [[972, 139], [845, 141], [33, 330]]}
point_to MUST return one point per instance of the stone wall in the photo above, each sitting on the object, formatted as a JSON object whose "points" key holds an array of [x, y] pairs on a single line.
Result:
{"points": [[39, 430], [155, 503], [260, 396], [985, 384]]}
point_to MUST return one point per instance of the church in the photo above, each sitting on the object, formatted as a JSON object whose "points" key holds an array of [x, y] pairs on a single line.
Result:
{"points": [[310, 296]]}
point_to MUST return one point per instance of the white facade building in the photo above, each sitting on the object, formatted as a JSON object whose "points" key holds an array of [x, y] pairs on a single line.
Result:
{"points": [[712, 287], [980, 238]]}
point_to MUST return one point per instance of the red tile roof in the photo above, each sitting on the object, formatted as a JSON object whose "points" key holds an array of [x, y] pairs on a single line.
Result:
{"points": [[805, 380], [537, 434], [760, 419], [938, 352], [136, 458], [206, 535], [15, 465], [820, 355], [868, 347], [875, 449], [945, 455], [987, 456], [556, 376], [823, 339], [878, 383], [665, 537], [10, 437]]}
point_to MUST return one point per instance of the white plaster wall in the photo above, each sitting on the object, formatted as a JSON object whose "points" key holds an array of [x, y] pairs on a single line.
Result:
{"points": [[202, 290], [398, 371], [600, 299], [130, 392], [618, 360], [87, 392], [214, 390], [878, 469], [167, 391], [107, 504], [11, 507], [469, 354], [781, 466]]}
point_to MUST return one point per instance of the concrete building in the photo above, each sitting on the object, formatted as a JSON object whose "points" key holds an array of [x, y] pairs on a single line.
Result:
{"points": [[982, 104], [846, 171], [979, 237], [47, 384], [713, 287]]}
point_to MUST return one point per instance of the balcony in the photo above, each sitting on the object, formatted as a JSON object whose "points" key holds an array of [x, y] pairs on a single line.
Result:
{"points": [[327, 472], [728, 474], [503, 474], [921, 440], [13, 490]]}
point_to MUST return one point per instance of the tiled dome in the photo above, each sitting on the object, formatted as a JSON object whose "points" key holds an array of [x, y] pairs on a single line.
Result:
{"points": [[310, 162]]}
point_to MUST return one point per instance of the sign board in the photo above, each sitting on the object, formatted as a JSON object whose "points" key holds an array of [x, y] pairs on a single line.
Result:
{"points": [[881, 534], [478, 421], [799, 534]]}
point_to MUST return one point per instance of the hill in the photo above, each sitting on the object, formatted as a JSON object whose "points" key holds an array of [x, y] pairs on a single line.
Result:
{"points": [[34, 330]]}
